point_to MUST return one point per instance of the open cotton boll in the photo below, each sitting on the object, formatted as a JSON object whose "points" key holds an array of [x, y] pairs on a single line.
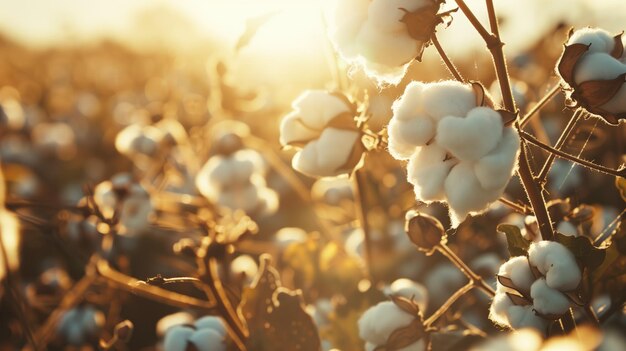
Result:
{"points": [[427, 171], [372, 35], [464, 193], [599, 40], [207, 340], [470, 137], [518, 270], [410, 290], [406, 135], [546, 300], [378, 322], [496, 168], [598, 66], [177, 338], [504, 313], [327, 156], [557, 263], [136, 139], [447, 98], [313, 109]]}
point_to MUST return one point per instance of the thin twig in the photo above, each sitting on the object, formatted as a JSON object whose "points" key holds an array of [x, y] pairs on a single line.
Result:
{"points": [[446, 305], [614, 172], [539, 105], [449, 64], [474, 278], [541, 178], [523, 209]]}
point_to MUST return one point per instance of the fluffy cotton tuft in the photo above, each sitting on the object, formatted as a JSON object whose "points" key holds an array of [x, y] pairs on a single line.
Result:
{"points": [[410, 290], [371, 35], [458, 152], [557, 263], [599, 64], [545, 293], [237, 181], [206, 334], [322, 127], [378, 322]]}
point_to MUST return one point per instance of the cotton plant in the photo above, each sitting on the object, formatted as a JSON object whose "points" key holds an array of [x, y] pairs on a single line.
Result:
{"points": [[534, 290], [593, 67], [323, 129], [383, 36], [458, 149], [235, 179], [205, 334]]}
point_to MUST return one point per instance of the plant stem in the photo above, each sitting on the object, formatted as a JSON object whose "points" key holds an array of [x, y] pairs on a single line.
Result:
{"points": [[359, 200], [446, 305], [559, 144], [494, 44], [614, 172], [449, 64], [523, 209], [213, 287], [539, 105], [474, 278]]}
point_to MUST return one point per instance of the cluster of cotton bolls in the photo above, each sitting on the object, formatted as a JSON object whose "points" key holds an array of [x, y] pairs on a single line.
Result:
{"points": [[527, 297], [128, 199], [458, 151], [182, 333], [376, 34], [234, 178], [600, 66], [380, 321], [323, 128]]}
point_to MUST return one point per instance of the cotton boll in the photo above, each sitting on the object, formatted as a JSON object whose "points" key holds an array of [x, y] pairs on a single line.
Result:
{"points": [[546, 300], [465, 194], [598, 66], [504, 313], [410, 290], [427, 171], [378, 322], [599, 40], [385, 15], [496, 168], [406, 135], [207, 340], [518, 270], [471, 137], [447, 98], [244, 265], [346, 20], [136, 139], [557, 263], [409, 105], [318, 107], [384, 48], [327, 156]]}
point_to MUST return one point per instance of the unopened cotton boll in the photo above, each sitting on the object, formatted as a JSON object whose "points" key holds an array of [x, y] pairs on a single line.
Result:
{"points": [[378, 322], [372, 34], [323, 128], [546, 300], [557, 263]]}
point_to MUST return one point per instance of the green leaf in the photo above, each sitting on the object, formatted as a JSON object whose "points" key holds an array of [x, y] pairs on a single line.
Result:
{"points": [[518, 246], [582, 248]]}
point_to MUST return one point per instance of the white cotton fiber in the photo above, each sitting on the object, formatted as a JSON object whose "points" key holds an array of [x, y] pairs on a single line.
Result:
{"points": [[598, 66], [207, 340], [328, 155], [495, 169], [427, 171], [557, 263], [518, 270], [546, 300], [470, 137], [447, 98], [465, 194], [410, 290], [599, 39], [504, 313], [378, 322]]}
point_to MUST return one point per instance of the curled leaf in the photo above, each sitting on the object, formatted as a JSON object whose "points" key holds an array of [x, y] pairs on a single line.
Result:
{"points": [[518, 245]]}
